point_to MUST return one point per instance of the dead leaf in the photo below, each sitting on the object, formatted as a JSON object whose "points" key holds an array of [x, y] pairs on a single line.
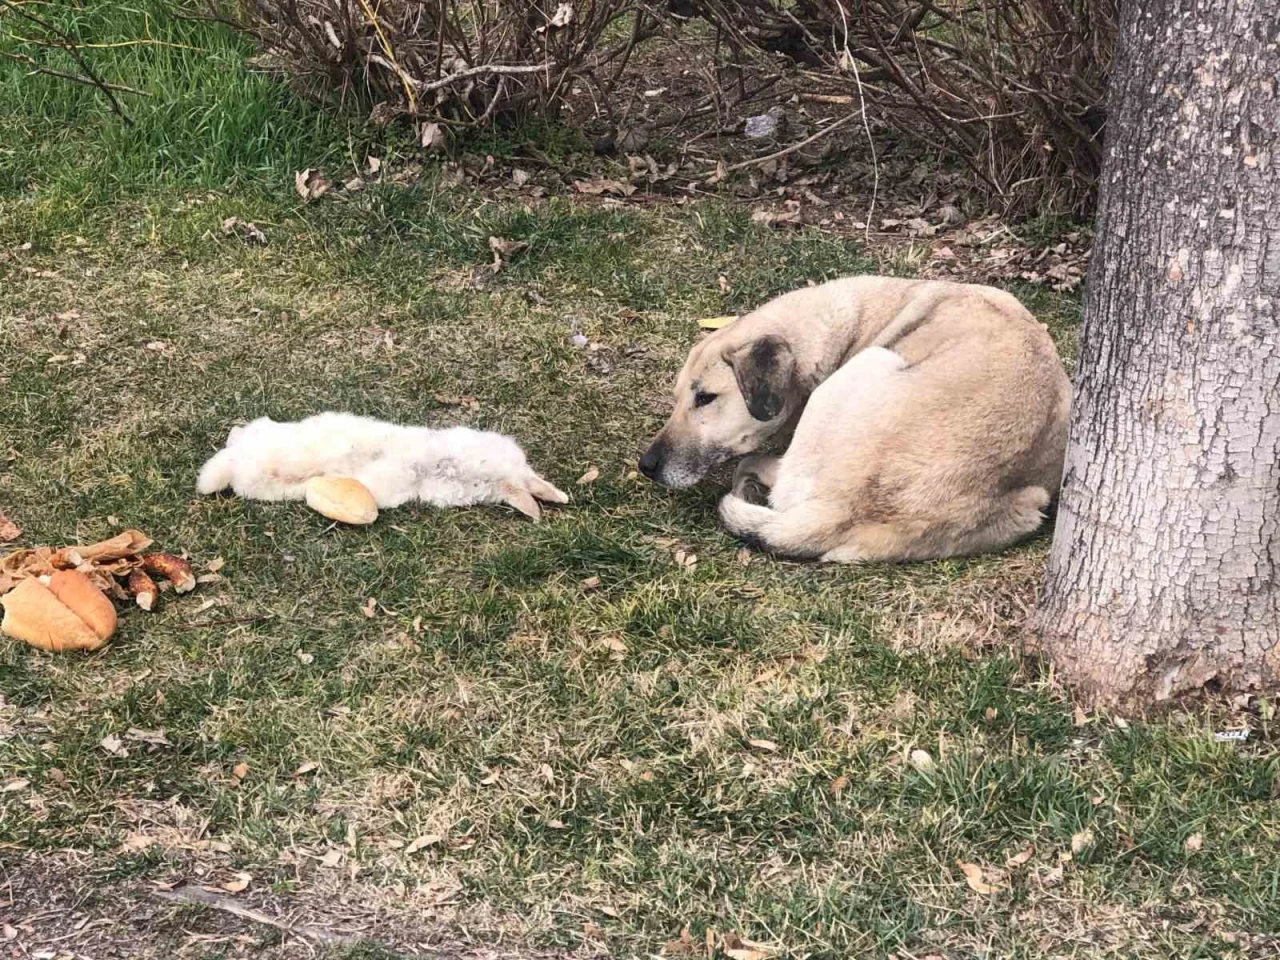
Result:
{"points": [[307, 767], [136, 842], [923, 762], [563, 16], [422, 842], [13, 786], [590, 583], [973, 876], [304, 657], [716, 323], [237, 885], [740, 948], [838, 785], [1052, 876], [372, 165], [332, 858], [1081, 841], [113, 745], [990, 714], [743, 557], [685, 559], [246, 231], [215, 565], [589, 929], [8, 529], [772, 218], [153, 737], [766, 745], [615, 646], [311, 184], [370, 607], [1079, 717], [240, 770], [1193, 843], [592, 474], [504, 250], [596, 188], [434, 138], [1021, 857], [520, 177]]}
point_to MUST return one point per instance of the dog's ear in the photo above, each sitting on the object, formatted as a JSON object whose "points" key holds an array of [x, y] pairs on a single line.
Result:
{"points": [[522, 500], [545, 491], [765, 369]]}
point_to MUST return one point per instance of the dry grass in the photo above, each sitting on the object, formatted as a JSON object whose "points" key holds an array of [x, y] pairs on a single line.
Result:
{"points": [[580, 761]]}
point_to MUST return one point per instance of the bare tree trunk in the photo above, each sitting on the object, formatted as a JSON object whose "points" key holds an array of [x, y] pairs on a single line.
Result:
{"points": [[1162, 576]]}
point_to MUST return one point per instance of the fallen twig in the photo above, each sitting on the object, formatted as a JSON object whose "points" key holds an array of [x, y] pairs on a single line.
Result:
{"points": [[188, 894], [70, 44]]}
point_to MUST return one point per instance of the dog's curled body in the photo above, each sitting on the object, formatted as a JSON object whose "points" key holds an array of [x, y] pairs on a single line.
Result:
{"points": [[453, 467], [926, 419]]}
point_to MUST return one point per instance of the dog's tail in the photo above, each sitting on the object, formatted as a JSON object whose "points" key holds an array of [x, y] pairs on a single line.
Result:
{"points": [[803, 532], [216, 474]]}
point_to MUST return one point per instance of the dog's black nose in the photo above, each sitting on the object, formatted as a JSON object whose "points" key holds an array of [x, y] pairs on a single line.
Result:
{"points": [[651, 463]]}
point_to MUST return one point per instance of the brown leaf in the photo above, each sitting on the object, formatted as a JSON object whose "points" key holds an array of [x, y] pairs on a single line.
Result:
{"points": [[311, 184], [597, 187], [504, 250], [838, 785], [422, 842], [743, 557], [613, 643], [153, 737], [768, 746], [589, 929], [370, 607], [240, 770], [332, 858], [1079, 717], [136, 842], [973, 876], [246, 231], [1021, 857], [8, 529], [592, 474], [113, 745], [434, 138], [238, 884], [1193, 843], [307, 767], [590, 583], [13, 786]]}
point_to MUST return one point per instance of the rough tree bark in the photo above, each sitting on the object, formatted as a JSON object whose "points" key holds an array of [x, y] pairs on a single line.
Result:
{"points": [[1162, 575]]}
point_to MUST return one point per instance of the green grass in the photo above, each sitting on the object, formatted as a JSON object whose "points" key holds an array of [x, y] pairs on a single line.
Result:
{"points": [[583, 756]]}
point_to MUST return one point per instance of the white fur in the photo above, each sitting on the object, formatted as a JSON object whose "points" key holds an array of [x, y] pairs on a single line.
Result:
{"points": [[455, 467]]}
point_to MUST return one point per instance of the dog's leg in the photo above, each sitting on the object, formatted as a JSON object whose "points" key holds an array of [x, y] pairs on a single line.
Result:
{"points": [[754, 477], [805, 532], [1013, 516]]}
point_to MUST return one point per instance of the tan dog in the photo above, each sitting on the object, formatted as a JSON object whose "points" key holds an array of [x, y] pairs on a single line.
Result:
{"points": [[926, 419]]}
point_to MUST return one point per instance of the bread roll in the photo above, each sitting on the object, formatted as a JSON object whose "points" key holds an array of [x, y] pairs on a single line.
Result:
{"points": [[34, 615], [81, 597], [342, 499]]}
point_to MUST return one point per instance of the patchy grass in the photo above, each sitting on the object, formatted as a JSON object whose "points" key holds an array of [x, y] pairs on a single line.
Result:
{"points": [[583, 758], [722, 747]]}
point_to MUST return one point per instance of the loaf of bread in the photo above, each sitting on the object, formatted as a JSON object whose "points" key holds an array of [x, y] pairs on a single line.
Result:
{"points": [[68, 614], [342, 499]]}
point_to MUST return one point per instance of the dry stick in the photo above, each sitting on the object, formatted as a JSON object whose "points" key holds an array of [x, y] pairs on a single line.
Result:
{"points": [[74, 78], [862, 108], [791, 149], [69, 44], [197, 895]]}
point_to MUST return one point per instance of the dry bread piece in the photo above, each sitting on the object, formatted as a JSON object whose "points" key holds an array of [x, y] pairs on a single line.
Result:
{"points": [[78, 594], [34, 615], [342, 499]]}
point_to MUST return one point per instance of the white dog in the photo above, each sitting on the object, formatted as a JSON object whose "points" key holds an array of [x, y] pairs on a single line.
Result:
{"points": [[457, 467]]}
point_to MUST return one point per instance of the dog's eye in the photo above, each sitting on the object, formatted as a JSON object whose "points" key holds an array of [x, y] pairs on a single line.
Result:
{"points": [[702, 398]]}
